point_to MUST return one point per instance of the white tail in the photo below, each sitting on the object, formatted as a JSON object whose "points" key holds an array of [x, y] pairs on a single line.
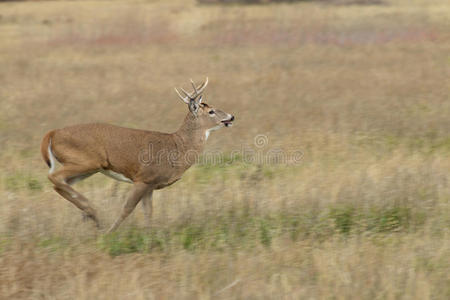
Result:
{"points": [[51, 157]]}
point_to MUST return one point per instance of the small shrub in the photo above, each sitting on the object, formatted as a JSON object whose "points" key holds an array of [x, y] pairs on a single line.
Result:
{"points": [[265, 235], [191, 237], [389, 219], [130, 241], [343, 218], [34, 185]]}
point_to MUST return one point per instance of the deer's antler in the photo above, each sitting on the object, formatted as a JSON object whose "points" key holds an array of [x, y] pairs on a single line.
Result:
{"points": [[191, 96]]}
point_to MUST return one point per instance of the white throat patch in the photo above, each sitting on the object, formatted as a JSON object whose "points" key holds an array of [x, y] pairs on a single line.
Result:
{"points": [[208, 131]]}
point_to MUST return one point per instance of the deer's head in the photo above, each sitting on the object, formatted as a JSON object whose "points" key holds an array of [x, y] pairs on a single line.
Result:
{"points": [[206, 116]]}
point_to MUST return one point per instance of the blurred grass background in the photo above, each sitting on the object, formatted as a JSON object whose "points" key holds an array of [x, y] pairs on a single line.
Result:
{"points": [[361, 91]]}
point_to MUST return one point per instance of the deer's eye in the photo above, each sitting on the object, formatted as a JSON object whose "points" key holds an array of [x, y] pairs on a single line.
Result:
{"points": [[211, 112]]}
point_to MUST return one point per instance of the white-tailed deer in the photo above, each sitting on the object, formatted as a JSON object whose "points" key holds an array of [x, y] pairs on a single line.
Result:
{"points": [[148, 159]]}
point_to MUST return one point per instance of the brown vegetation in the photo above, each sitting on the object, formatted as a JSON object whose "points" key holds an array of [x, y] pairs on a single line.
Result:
{"points": [[361, 91]]}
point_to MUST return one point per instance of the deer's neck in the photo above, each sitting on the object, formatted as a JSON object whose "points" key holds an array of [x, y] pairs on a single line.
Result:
{"points": [[190, 136]]}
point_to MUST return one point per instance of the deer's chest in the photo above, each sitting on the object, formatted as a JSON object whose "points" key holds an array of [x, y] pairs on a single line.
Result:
{"points": [[163, 177]]}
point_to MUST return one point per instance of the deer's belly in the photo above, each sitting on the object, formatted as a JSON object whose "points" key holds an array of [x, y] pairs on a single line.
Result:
{"points": [[116, 176], [171, 181]]}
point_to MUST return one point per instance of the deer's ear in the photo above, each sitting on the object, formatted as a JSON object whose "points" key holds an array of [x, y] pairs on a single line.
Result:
{"points": [[193, 107], [200, 100]]}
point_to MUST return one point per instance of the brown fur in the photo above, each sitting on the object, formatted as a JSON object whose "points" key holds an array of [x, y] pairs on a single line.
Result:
{"points": [[151, 160]]}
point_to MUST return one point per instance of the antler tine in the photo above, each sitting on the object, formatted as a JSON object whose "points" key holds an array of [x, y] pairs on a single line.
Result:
{"points": [[185, 99], [189, 95], [195, 89], [202, 87]]}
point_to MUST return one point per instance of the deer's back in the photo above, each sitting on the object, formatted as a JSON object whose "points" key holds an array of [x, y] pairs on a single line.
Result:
{"points": [[106, 146]]}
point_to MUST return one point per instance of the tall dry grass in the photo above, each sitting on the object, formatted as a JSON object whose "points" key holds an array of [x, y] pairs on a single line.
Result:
{"points": [[361, 91]]}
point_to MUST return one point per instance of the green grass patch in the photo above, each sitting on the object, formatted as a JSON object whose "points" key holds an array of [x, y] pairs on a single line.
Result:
{"points": [[389, 219], [427, 143], [227, 166], [243, 230], [53, 243], [22, 181], [344, 218], [129, 241]]}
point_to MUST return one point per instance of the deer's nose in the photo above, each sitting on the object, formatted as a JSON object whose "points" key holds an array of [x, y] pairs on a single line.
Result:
{"points": [[232, 118]]}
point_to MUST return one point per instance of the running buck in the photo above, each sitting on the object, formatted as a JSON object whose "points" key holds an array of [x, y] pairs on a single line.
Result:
{"points": [[149, 160]]}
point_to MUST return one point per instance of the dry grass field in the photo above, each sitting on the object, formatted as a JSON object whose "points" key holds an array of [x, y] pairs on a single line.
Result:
{"points": [[362, 91]]}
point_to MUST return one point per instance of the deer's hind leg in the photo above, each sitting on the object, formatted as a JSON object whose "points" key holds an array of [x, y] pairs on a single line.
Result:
{"points": [[69, 174]]}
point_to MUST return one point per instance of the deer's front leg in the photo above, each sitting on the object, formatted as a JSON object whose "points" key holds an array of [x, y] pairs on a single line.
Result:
{"points": [[147, 205], [138, 191]]}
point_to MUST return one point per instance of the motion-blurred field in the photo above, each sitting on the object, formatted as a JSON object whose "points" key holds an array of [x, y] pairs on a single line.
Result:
{"points": [[362, 91]]}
